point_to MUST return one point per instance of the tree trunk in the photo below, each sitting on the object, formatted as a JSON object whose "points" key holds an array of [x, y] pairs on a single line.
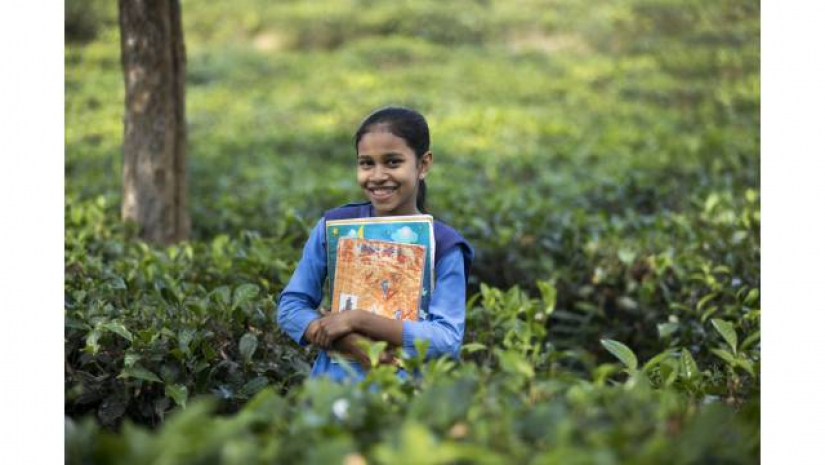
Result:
{"points": [[154, 140]]}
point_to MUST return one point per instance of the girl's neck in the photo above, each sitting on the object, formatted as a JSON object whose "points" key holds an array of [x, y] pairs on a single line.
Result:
{"points": [[374, 212]]}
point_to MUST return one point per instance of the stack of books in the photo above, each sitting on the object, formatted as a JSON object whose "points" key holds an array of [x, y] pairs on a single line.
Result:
{"points": [[382, 265]]}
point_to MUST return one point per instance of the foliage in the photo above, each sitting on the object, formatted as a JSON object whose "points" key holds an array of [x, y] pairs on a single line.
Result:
{"points": [[448, 414], [83, 19], [602, 157], [145, 327]]}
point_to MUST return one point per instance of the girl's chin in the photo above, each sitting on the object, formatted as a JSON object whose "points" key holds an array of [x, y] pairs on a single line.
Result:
{"points": [[382, 209], [381, 201], [389, 206]]}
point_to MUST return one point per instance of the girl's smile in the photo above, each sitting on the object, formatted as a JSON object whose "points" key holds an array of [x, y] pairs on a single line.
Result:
{"points": [[389, 172], [382, 193]]}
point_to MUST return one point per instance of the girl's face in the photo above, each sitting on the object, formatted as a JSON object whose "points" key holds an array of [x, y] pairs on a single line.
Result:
{"points": [[389, 173]]}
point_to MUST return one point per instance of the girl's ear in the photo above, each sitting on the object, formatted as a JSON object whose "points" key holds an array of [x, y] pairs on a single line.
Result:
{"points": [[424, 164]]}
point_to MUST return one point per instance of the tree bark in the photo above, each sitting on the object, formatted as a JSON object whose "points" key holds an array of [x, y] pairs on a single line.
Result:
{"points": [[154, 140]]}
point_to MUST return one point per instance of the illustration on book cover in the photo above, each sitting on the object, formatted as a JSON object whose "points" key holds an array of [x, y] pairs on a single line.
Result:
{"points": [[380, 277]]}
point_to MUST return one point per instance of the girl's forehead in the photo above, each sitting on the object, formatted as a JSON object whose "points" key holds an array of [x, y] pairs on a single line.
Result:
{"points": [[381, 140]]}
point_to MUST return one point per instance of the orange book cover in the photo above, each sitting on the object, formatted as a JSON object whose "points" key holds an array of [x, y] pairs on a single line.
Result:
{"points": [[381, 277]]}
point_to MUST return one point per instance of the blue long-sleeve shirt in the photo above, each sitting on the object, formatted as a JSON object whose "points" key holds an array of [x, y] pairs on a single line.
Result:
{"points": [[443, 327]]}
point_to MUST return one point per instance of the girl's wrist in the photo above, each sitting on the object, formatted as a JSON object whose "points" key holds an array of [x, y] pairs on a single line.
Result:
{"points": [[356, 320]]}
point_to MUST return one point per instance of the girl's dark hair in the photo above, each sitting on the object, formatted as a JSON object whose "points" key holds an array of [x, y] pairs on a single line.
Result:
{"points": [[407, 124]]}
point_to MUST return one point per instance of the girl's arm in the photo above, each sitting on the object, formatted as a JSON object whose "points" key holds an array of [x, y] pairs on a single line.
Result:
{"points": [[444, 328], [349, 344], [297, 305], [332, 327], [302, 295]]}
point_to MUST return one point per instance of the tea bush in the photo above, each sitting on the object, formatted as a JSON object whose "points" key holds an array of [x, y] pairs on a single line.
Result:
{"points": [[450, 414], [145, 327], [602, 158]]}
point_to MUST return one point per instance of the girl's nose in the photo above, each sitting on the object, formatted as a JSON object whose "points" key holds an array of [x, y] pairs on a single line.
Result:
{"points": [[378, 174]]}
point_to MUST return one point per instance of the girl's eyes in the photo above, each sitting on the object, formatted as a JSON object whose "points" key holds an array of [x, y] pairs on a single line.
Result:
{"points": [[392, 163]]}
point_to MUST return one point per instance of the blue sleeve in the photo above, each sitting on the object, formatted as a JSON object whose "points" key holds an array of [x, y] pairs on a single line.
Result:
{"points": [[444, 327], [299, 300]]}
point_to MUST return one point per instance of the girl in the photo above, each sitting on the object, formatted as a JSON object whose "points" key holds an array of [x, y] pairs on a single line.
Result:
{"points": [[393, 155]]}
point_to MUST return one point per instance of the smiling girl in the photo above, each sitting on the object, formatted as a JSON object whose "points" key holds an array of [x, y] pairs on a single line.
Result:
{"points": [[393, 158]]}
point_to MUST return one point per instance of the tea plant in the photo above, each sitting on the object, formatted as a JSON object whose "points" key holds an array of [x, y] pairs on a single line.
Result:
{"points": [[602, 158]]}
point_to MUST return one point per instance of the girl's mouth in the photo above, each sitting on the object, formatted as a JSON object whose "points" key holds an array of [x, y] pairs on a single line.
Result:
{"points": [[382, 193]]}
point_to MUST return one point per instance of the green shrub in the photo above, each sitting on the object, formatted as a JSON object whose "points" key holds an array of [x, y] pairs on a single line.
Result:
{"points": [[602, 158], [447, 415], [146, 328], [84, 18]]}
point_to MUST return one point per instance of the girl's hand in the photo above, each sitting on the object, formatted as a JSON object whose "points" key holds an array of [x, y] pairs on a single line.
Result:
{"points": [[311, 332], [333, 326], [350, 345]]}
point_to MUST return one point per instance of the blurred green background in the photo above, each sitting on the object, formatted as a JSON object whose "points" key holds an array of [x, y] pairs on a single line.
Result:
{"points": [[608, 149]]}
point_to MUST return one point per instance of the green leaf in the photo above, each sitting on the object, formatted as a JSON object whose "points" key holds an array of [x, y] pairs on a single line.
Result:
{"points": [[726, 330], [711, 202], [721, 269], [688, 365], [117, 283], [138, 372], [117, 328], [738, 237], [666, 329], [668, 371], [734, 361], [130, 359], [247, 346], [412, 362], [75, 324], [172, 251], [709, 312], [752, 338], [548, 296], [602, 372], [421, 346], [92, 345], [253, 386], [724, 355], [752, 297], [658, 359], [178, 393], [185, 337], [515, 363], [473, 347], [244, 294], [746, 365], [622, 352], [704, 300], [222, 295], [374, 352], [169, 294], [626, 256]]}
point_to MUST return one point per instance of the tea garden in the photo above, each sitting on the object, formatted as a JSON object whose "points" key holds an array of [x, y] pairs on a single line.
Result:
{"points": [[602, 158]]}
